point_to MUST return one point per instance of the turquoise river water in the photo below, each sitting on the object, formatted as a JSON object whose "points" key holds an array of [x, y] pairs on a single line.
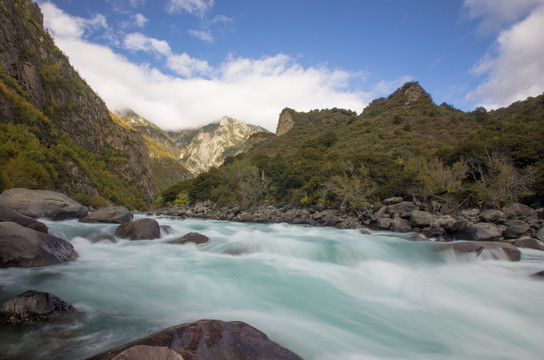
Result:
{"points": [[321, 292]]}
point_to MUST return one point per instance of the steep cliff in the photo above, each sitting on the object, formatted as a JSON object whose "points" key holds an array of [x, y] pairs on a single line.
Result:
{"points": [[85, 150]]}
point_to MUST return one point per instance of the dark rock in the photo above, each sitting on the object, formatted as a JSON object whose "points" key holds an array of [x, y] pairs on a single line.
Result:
{"points": [[462, 247], [399, 224], [141, 229], [41, 203], [480, 232], [34, 306], [97, 236], [515, 229], [144, 352], [491, 215], [538, 275], [365, 232], [212, 339], [471, 214], [191, 237], [392, 200], [109, 215], [421, 219], [329, 218], [166, 229], [511, 252], [418, 237], [528, 243], [433, 231], [403, 209], [24, 247], [10, 215]]}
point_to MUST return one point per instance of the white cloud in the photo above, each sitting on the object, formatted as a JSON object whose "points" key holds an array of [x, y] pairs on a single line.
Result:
{"points": [[497, 13], [514, 71], [204, 35], [187, 66], [193, 7], [253, 90], [67, 26], [138, 41], [140, 20]]}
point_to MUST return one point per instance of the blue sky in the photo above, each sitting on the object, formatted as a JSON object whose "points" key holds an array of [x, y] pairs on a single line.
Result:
{"points": [[186, 63]]}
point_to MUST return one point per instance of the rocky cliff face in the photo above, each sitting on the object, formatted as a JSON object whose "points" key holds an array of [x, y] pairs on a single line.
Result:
{"points": [[285, 122], [36, 73], [213, 143]]}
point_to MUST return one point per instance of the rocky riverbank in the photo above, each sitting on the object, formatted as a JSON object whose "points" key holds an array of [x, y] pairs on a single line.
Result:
{"points": [[517, 224]]}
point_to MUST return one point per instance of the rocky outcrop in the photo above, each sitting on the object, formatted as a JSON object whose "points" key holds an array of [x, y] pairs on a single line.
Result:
{"points": [[210, 339], [212, 144], [191, 237], [109, 215], [24, 247], [10, 215], [42, 203], [33, 307], [142, 229], [285, 122]]}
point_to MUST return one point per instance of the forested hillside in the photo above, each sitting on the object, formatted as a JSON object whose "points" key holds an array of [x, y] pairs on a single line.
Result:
{"points": [[403, 145], [55, 132]]}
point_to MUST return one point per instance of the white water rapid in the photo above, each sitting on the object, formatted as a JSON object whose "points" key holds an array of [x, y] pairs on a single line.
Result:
{"points": [[321, 292]]}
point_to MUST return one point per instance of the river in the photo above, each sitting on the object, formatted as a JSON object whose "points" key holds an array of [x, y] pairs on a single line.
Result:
{"points": [[323, 293]]}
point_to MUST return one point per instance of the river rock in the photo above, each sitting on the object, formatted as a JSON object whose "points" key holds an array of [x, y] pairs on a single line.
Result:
{"points": [[399, 224], [42, 203], [447, 222], [403, 209], [528, 243], [144, 352], [139, 230], [491, 215], [191, 237], [10, 215], [519, 211], [515, 229], [420, 218], [212, 339], [383, 223], [24, 247], [34, 306], [511, 252], [97, 236], [480, 232], [109, 215], [540, 234], [462, 247], [392, 200], [538, 275]]}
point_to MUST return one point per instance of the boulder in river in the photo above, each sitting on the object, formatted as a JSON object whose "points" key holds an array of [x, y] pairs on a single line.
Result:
{"points": [[34, 306], [144, 352], [109, 215], [480, 232], [24, 247], [141, 229], [42, 203], [191, 237], [511, 252], [211, 339], [10, 215]]}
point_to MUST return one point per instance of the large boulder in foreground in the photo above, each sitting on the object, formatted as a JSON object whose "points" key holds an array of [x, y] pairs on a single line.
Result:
{"points": [[191, 237], [34, 306], [24, 247], [109, 215], [211, 339], [10, 215], [144, 352], [139, 230], [42, 203]]}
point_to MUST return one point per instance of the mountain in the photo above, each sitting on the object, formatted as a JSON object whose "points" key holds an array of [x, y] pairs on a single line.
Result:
{"points": [[56, 133], [166, 168], [210, 145], [403, 145]]}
